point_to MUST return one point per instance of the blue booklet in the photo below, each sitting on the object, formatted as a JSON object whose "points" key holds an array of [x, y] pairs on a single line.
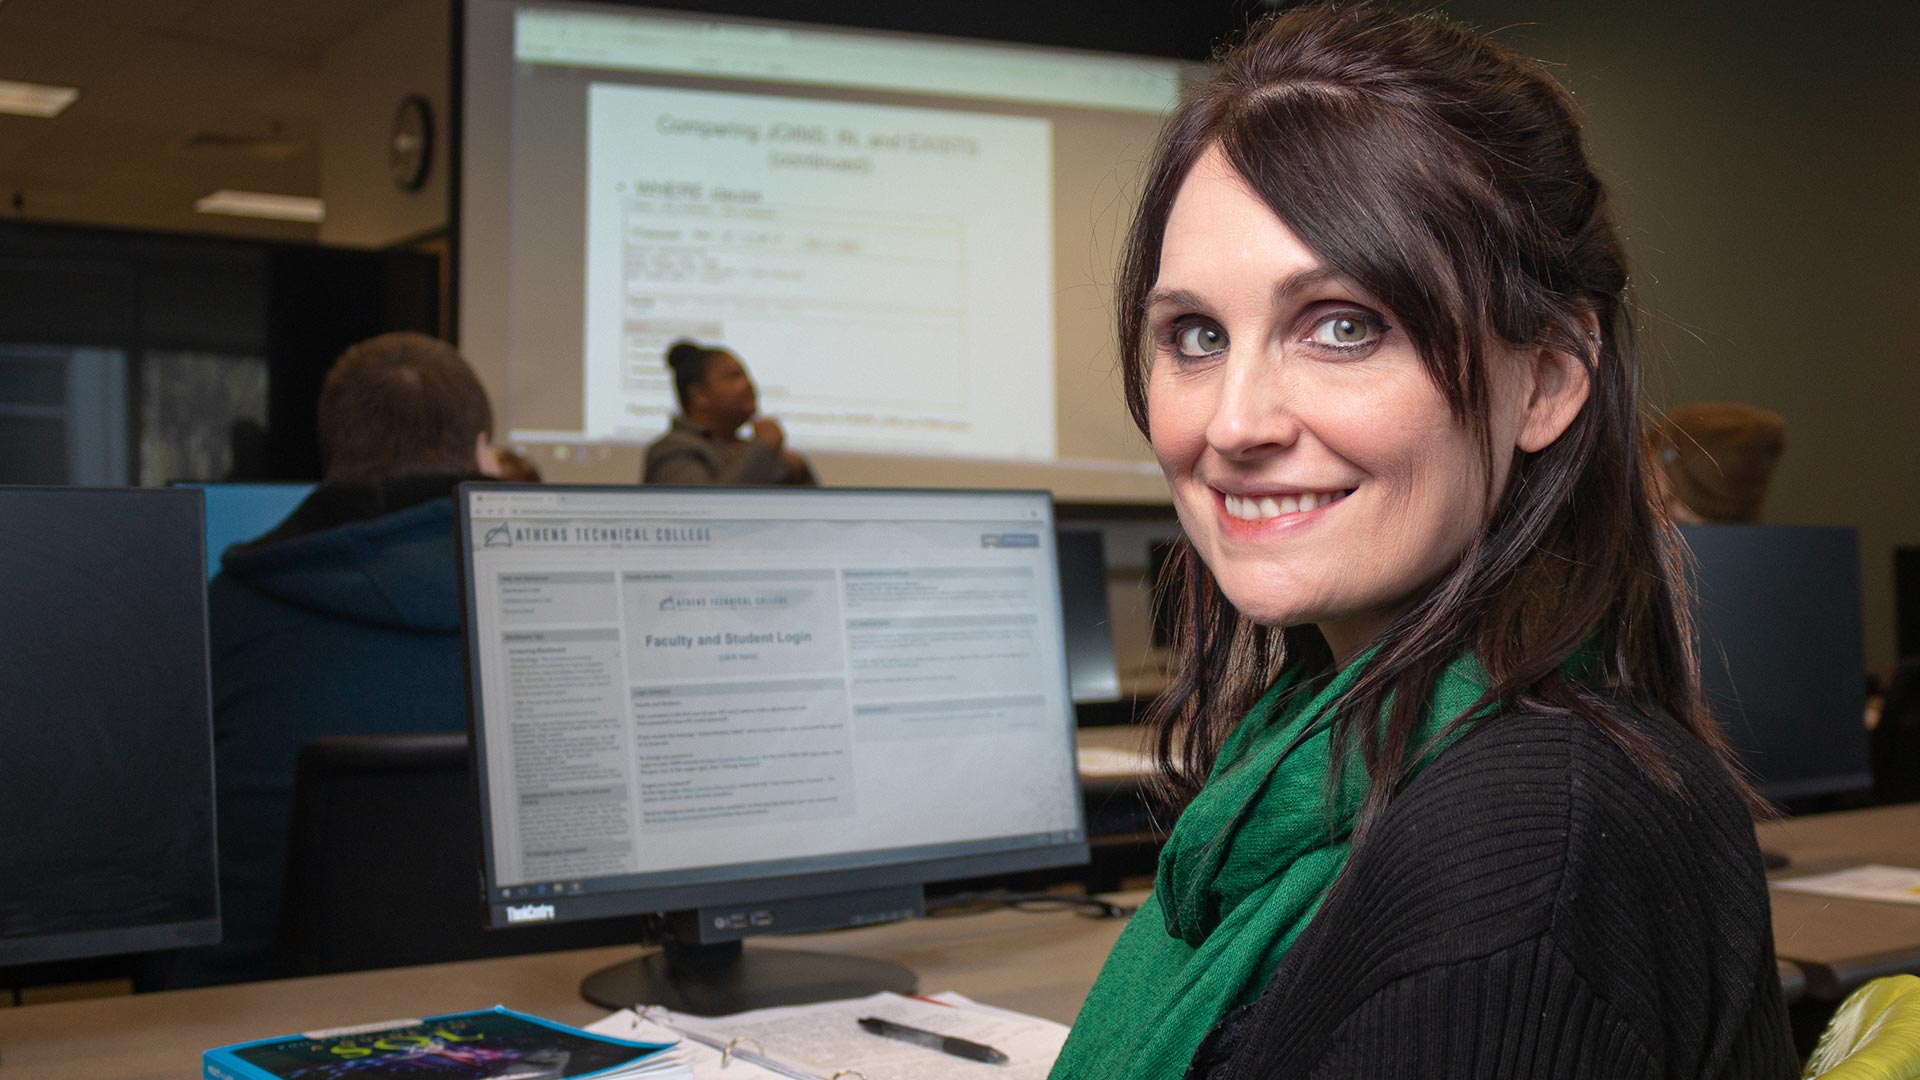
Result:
{"points": [[491, 1044]]}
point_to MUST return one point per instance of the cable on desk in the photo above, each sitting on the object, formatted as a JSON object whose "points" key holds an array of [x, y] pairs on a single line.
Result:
{"points": [[977, 903]]}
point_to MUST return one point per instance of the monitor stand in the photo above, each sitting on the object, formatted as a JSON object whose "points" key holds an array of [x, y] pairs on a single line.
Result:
{"points": [[713, 980]]}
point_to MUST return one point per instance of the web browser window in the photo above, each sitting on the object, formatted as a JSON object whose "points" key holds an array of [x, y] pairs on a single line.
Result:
{"points": [[678, 686]]}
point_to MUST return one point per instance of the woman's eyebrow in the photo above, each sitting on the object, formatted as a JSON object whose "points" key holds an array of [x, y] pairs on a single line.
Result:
{"points": [[1172, 298], [1289, 288], [1304, 280]]}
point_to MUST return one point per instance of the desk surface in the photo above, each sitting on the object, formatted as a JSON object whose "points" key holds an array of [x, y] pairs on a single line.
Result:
{"points": [[1039, 963], [1842, 943], [1036, 962]]}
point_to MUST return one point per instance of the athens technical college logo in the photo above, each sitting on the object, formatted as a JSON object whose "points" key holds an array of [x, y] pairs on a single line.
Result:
{"points": [[500, 535]]}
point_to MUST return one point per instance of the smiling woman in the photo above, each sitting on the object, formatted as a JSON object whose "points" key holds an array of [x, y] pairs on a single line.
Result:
{"points": [[1452, 804], [1318, 471]]}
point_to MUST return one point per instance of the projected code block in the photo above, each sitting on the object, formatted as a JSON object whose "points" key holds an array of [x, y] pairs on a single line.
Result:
{"points": [[885, 272], [746, 272]]}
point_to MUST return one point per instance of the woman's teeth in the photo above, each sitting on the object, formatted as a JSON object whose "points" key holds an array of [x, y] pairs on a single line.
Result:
{"points": [[1250, 508]]}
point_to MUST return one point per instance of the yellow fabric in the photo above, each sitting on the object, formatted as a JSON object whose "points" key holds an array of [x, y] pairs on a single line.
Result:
{"points": [[1874, 1035]]}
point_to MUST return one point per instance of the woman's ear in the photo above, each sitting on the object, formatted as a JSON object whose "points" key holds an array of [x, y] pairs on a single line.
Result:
{"points": [[1558, 388]]}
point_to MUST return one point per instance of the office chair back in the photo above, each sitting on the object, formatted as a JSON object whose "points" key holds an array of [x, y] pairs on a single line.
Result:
{"points": [[383, 864], [1874, 1035]]}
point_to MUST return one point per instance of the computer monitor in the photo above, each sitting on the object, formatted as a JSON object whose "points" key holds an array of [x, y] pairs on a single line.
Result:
{"points": [[1778, 619], [106, 736], [761, 711], [1091, 670], [1906, 601], [237, 513], [1163, 597]]}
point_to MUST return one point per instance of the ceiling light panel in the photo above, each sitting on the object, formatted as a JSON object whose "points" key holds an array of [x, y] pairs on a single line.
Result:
{"points": [[259, 204], [33, 99]]}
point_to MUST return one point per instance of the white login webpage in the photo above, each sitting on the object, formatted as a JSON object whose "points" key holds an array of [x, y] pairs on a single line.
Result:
{"points": [[679, 681]]}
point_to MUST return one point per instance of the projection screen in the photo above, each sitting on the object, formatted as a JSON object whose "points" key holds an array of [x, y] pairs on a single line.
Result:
{"points": [[909, 240]]}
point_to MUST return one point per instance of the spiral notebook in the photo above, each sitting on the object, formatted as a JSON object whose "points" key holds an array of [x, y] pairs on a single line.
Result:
{"points": [[824, 1041]]}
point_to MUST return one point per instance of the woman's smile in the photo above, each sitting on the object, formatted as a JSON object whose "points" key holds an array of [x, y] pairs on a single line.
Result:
{"points": [[1284, 504]]}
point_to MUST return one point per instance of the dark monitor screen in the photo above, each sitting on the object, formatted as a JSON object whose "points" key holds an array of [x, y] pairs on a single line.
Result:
{"points": [[237, 513], [1906, 601], [784, 709], [106, 778], [1089, 628], [1778, 618]]}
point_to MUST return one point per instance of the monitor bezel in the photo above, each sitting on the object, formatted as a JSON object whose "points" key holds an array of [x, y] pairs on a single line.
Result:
{"points": [[749, 888]]}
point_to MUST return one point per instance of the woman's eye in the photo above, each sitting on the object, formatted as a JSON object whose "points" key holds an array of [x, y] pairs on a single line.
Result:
{"points": [[1199, 340], [1345, 331]]}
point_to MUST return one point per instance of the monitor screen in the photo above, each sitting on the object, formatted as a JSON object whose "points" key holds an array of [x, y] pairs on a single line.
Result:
{"points": [[1906, 601], [106, 782], [1083, 598], [1778, 618], [691, 697], [237, 513]]}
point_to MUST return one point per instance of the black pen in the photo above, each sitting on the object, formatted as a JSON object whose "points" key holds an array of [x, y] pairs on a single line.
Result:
{"points": [[946, 1044]]}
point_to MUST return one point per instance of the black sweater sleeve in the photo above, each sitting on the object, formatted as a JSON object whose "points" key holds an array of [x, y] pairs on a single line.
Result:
{"points": [[1524, 1011], [1532, 905]]}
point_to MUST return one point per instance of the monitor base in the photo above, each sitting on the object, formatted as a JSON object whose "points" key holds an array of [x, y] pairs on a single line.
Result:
{"points": [[712, 980]]}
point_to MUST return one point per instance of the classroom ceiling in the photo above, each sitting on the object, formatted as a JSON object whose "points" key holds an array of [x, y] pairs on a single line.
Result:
{"points": [[178, 98]]}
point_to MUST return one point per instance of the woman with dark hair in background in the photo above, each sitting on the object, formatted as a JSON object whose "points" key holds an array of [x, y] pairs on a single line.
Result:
{"points": [[703, 446], [1452, 804]]}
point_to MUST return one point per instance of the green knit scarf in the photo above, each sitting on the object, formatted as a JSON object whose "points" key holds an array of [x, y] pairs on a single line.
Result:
{"points": [[1247, 865]]}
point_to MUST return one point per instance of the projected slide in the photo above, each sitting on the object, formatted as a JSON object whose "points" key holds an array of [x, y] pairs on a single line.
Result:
{"points": [[886, 273]]}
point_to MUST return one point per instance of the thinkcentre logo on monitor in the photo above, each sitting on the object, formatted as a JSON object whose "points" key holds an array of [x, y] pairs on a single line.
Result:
{"points": [[519, 913]]}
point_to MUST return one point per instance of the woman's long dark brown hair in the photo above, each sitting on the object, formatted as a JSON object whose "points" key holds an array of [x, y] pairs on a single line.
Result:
{"points": [[1445, 175]]}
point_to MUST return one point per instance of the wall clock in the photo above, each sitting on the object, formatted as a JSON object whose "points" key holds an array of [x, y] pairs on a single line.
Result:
{"points": [[410, 143]]}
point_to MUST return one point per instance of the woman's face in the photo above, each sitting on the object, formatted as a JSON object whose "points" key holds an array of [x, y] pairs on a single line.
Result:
{"points": [[727, 391], [1315, 467]]}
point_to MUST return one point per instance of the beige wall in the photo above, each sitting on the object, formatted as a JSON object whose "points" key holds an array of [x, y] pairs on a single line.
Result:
{"points": [[364, 77], [1763, 159]]}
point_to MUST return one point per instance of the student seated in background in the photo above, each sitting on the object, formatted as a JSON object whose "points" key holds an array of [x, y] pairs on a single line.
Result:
{"points": [[344, 620], [1716, 460], [703, 446]]}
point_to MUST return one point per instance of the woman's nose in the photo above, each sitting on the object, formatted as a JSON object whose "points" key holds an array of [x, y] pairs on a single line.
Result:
{"points": [[1254, 413]]}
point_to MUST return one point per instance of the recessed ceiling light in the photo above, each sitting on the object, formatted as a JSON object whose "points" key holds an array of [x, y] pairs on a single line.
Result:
{"points": [[262, 205], [33, 99]]}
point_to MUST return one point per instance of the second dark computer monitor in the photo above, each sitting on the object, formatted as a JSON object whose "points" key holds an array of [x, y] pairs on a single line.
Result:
{"points": [[1091, 667], [1778, 619], [1906, 601]]}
